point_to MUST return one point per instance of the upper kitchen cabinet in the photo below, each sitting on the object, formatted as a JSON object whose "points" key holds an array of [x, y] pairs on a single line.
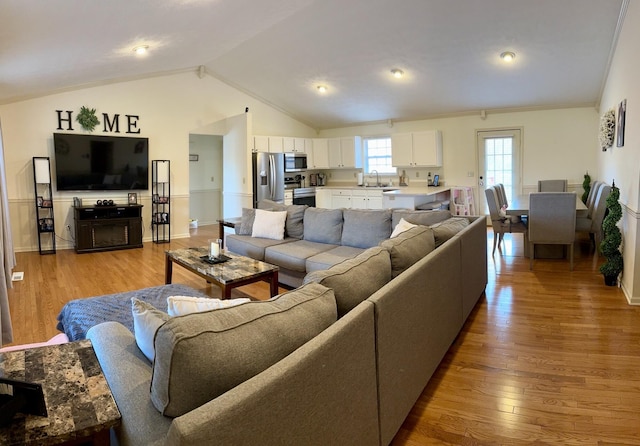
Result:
{"points": [[418, 149], [273, 144], [320, 158], [294, 145], [345, 153]]}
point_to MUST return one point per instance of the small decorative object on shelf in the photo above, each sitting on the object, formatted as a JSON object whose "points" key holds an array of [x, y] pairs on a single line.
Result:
{"points": [[133, 198], [161, 200], [45, 224], [610, 245], [607, 129]]}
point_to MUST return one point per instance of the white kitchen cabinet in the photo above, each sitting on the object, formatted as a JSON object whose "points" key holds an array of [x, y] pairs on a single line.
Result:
{"points": [[323, 198], [340, 198], [417, 149], [293, 145], [320, 154], [366, 199], [260, 143], [345, 153], [276, 144]]}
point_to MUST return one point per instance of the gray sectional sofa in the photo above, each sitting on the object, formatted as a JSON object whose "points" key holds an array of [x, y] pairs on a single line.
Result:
{"points": [[341, 359]]}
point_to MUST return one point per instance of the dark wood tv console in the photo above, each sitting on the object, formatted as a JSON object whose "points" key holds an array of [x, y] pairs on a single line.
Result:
{"points": [[105, 228]]}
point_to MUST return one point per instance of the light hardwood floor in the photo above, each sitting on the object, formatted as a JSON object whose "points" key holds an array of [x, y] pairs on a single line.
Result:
{"points": [[549, 356]]}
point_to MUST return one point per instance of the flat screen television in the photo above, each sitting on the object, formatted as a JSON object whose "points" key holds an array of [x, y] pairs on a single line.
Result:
{"points": [[88, 162]]}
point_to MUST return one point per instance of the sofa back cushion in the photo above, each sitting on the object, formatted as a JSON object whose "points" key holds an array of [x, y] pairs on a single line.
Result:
{"points": [[354, 280], [445, 230], [408, 247], [323, 225], [365, 228], [295, 213], [424, 218], [202, 355]]}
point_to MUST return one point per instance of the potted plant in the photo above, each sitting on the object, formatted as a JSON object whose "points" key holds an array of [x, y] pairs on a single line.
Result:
{"points": [[610, 245], [586, 185]]}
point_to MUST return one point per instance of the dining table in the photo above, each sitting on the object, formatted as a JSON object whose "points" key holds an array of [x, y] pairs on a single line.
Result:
{"points": [[519, 205]]}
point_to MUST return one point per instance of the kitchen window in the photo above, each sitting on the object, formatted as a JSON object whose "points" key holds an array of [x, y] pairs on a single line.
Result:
{"points": [[377, 155]]}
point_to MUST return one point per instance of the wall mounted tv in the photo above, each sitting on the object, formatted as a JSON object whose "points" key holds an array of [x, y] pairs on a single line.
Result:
{"points": [[88, 162]]}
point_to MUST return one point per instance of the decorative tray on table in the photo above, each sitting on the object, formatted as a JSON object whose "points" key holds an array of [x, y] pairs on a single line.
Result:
{"points": [[215, 260]]}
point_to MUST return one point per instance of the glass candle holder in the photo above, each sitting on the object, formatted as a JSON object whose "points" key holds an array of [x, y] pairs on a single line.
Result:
{"points": [[215, 248]]}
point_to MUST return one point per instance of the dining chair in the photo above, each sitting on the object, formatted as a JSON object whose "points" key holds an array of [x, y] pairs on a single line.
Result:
{"points": [[552, 221], [552, 185], [502, 201], [592, 223], [591, 198], [501, 224]]}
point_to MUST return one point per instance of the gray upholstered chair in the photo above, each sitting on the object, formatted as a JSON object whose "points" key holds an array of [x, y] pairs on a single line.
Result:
{"points": [[591, 198], [552, 221], [552, 185], [502, 201], [592, 223], [501, 224]]}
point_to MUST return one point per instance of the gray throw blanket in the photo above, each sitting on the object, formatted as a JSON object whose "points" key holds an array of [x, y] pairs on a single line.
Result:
{"points": [[77, 316]]}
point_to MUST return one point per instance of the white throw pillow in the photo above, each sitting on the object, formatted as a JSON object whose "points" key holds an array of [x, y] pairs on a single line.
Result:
{"points": [[269, 224], [403, 225], [146, 321], [181, 305]]}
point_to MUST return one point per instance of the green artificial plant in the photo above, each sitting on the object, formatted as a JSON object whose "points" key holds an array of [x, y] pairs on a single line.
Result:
{"points": [[610, 245], [87, 118], [586, 185]]}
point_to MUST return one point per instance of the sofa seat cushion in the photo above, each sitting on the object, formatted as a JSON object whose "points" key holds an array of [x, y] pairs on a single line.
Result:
{"points": [[203, 355], [293, 256], [327, 259], [365, 228], [446, 229], [323, 225], [354, 280], [253, 247], [408, 247], [424, 218]]}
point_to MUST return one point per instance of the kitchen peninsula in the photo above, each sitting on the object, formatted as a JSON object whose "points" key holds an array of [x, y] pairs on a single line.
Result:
{"points": [[359, 197]]}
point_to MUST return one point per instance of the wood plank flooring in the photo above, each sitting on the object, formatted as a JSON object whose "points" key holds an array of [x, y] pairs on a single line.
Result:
{"points": [[548, 357]]}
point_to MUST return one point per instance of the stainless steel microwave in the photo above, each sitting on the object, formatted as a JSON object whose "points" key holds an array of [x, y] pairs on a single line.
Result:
{"points": [[295, 162]]}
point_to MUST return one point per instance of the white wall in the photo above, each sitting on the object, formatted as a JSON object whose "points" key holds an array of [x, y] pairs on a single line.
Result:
{"points": [[622, 164], [170, 108]]}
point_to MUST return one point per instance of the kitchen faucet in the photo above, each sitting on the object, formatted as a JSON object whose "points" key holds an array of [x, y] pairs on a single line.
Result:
{"points": [[377, 177]]}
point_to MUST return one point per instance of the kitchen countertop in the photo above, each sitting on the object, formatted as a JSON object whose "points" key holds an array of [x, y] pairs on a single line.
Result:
{"points": [[395, 190]]}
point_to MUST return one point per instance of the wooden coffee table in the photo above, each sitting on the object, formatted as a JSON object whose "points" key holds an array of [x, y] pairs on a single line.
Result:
{"points": [[237, 271], [80, 406]]}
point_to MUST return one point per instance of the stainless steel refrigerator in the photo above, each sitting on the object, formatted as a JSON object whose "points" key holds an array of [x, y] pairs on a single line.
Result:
{"points": [[268, 177]]}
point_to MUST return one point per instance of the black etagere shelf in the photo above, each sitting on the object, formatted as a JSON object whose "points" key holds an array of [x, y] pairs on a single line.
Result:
{"points": [[45, 223], [161, 201]]}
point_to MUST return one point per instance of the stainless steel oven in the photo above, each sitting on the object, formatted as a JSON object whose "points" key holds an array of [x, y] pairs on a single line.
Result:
{"points": [[305, 195], [295, 162]]}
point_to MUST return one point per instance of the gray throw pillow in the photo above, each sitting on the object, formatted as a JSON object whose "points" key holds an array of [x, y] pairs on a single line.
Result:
{"points": [[445, 230], [246, 224], [200, 356], [293, 226], [323, 225], [424, 218], [354, 280], [409, 247]]}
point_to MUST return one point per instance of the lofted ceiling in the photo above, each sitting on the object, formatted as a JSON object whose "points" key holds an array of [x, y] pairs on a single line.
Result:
{"points": [[279, 51]]}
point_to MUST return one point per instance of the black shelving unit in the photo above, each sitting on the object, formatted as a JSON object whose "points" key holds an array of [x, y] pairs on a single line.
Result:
{"points": [[45, 223], [161, 201]]}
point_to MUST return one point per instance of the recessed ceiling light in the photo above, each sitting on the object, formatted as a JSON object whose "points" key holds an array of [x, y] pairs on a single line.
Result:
{"points": [[397, 73], [322, 88], [141, 49], [508, 56]]}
